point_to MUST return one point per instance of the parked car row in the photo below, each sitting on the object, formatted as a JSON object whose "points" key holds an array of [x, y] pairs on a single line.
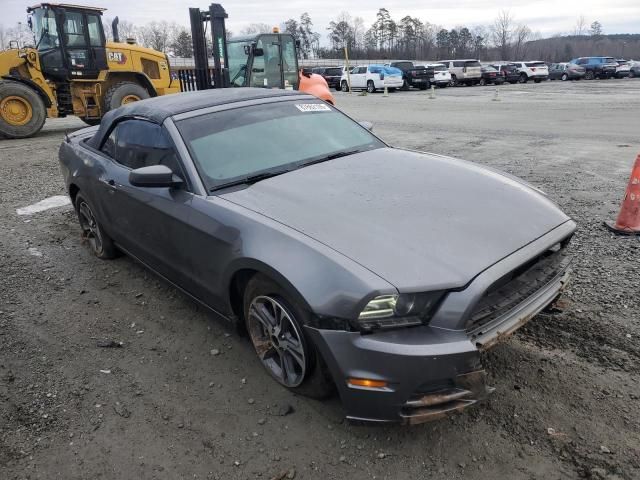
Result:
{"points": [[406, 74]]}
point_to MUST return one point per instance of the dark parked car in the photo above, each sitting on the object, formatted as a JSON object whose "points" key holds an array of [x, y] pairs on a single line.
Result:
{"points": [[378, 271], [597, 67], [491, 76], [509, 71], [331, 74], [634, 69], [566, 71], [416, 76]]}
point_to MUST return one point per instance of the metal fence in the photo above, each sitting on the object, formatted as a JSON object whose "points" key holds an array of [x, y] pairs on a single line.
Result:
{"points": [[187, 78]]}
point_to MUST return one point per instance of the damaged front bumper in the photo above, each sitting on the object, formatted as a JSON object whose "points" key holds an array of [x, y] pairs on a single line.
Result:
{"points": [[431, 371]]}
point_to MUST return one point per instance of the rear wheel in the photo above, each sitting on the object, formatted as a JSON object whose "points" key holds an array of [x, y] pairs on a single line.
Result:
{"points": [[454, 81], [589, 75], [371, 87], [275, 324], [523, 78], [564, 77], [100, 243], [482, 82], [632, 74], [123, 93], [22, 111]]}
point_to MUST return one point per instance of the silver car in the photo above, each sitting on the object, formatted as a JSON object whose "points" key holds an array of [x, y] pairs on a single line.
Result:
{"points": [[377, 271]]}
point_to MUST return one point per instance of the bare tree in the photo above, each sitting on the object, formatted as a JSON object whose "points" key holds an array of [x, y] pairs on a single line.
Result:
{"points": [[255, 28], [521, 35], [596, 29], [581, 26], [158, 35], [4, 43], [502, 33]]}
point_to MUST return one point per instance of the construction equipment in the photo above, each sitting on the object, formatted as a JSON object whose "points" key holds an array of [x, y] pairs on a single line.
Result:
{"points": [[73, 70], [266, 60]]}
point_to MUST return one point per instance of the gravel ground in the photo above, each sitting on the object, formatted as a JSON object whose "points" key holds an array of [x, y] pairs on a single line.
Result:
{"points": [[184, 396]]}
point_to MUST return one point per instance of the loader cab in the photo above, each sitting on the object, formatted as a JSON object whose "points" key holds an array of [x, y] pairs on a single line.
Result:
{"points": [[267, 60], [70, 40]]}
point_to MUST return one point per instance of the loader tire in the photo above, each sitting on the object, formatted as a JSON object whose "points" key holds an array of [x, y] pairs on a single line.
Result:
{"points": [[22, 111], [123, 93]]}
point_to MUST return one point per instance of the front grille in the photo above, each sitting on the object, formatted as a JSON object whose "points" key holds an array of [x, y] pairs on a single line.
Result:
{"points": [[517, 286]]}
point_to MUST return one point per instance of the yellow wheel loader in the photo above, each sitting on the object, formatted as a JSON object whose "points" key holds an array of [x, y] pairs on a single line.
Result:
{"points": [[73, 70]]}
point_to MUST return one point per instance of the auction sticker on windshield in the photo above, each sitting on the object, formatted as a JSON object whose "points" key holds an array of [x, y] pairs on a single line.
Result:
{"points": [[312, 107]]}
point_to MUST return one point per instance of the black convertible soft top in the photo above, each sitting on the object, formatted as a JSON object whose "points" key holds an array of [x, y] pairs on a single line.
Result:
{"points": [[158, 109]]}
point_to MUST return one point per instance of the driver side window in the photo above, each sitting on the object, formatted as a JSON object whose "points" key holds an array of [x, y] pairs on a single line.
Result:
{"points": [[138, 143]]}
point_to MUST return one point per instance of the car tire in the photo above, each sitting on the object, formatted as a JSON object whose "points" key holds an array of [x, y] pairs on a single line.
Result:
{"points": [[454, 81], [345, 86], [564, 77], [100, 243], [338, 87], [589, 75], [91, 121], [22, 111], [632, 74], [482, 82], [122, 93], [275, 324], [537, 80], [371, 87], [523, 78]]}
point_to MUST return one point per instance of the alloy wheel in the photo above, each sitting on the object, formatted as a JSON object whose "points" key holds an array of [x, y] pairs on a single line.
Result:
{"points": [[277, 340], [90, 228]]}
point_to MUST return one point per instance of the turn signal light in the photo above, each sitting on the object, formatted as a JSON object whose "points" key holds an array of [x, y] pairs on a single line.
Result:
{"points": [[366, 382]]}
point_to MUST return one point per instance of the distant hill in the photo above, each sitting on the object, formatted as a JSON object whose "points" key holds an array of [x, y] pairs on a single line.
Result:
{"points": [[562, 49]]}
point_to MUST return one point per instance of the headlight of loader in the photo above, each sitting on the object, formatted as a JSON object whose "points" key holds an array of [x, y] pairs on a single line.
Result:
{"points": [[398, 310]]}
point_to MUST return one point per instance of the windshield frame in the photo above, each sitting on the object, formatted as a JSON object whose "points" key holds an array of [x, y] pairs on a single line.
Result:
{"points": [[215, 189]]}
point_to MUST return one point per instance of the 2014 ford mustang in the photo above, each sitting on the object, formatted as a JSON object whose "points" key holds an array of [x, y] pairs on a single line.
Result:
{"points": [[378, 271]]}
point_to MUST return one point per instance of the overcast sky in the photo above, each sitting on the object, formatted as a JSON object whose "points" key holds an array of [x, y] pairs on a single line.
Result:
{"points": [[546, 16]]}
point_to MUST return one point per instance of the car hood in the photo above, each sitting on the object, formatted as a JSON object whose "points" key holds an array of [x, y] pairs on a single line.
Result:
{"points": [[419, 221]]}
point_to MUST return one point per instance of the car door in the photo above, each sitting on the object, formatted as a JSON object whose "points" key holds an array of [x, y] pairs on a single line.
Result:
{"points": [[150, 223], [360, 80]]}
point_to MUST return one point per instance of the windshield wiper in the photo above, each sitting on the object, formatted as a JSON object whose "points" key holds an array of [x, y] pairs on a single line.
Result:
{"points": [[332, 156], [248, 180]]}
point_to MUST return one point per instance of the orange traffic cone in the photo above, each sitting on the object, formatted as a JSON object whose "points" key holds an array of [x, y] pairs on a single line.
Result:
{"points": [[628, 222]]}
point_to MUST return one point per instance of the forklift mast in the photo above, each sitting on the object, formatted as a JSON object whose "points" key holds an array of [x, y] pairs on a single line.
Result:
{"points": [[215, 16]]}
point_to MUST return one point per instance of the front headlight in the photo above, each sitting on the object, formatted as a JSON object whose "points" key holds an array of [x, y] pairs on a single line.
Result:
{"points": [[398, 310]]}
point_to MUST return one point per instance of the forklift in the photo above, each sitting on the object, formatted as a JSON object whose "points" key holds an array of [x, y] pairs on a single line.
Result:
{"points": [[73, 70], [265, 60]]}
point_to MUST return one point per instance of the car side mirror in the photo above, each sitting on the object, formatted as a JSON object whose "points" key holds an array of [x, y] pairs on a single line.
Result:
{"points": [[367, 125], [154, 176]]}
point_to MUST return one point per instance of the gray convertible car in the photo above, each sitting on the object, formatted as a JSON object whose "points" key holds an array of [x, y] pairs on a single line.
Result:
{"points": [[379, 272]]}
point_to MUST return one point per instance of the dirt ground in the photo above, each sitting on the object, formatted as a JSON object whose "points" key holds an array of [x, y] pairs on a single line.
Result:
{"points": [[567, 399]]}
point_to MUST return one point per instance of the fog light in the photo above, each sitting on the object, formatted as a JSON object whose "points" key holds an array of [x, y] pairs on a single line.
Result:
{"points": [[367, 383]]}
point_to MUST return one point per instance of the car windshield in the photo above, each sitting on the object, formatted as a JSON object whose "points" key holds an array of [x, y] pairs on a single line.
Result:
{"points": [[440, 68], [333, 71], [241, 143]]}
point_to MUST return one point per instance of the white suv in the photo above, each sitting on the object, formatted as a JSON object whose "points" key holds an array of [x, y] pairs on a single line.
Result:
{"points": [[372, 78], [536, 71], [463, 71], [441, 75]]}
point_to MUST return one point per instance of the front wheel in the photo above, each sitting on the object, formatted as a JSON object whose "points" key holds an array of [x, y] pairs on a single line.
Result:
{"points": [[482, 82], [589, 75], [22, 111], [523, 78], [275, 324], [344, 86], [100, 243], [454, 81], [564, 77], [632, 74], [371, 87]]}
